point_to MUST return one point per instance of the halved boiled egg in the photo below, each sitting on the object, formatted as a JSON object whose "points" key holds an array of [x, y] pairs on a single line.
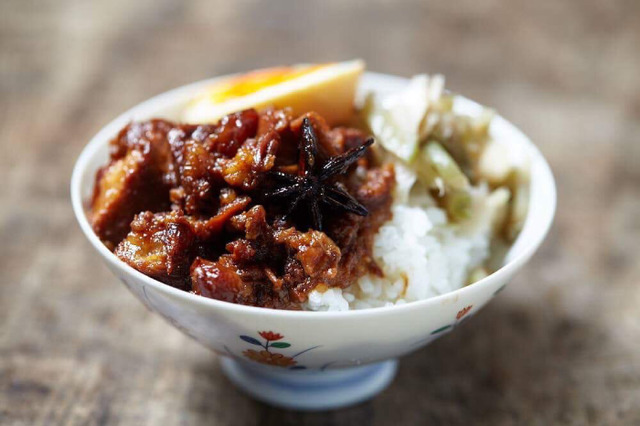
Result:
{"points": [[328, 89]]}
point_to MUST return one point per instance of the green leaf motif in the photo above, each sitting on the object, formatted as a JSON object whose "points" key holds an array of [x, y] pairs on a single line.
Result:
{"points": [[441, 329], [280, 345], [251, 340]]}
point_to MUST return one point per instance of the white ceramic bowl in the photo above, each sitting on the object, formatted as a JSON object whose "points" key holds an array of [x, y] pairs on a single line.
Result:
{"points": [[314, 360]]}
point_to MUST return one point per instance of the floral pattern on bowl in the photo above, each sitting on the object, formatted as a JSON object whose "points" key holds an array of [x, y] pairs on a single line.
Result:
{"points": [[267, 355], [460, 316]]}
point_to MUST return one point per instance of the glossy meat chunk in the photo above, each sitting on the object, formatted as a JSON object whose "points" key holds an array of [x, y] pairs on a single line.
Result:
{"points": [[254, 158], [315, 253], [219, 280], [161, 246], [145, 136], [125, 187], [232, 131], [137, 179], [282, 265], [188, 206], [198, 180], [200, 154]]}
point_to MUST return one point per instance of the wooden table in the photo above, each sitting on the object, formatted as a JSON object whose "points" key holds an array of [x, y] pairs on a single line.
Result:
{"points": [[561, 346]]}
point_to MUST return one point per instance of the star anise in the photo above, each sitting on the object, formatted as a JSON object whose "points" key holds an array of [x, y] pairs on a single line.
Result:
{"points": [[312, 185]]}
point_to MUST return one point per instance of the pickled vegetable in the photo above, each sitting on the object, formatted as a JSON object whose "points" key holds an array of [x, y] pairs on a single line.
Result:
{"points": [[438, 171], [396, 120], [519, 183], [450, 152]]}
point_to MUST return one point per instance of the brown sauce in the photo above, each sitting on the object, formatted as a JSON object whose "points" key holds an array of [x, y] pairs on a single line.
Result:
{"points": [[188, 206]]}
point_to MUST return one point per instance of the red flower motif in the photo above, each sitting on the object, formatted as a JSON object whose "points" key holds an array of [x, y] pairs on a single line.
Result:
{"points": [[269, 358], [270, 335], [463, 312]]}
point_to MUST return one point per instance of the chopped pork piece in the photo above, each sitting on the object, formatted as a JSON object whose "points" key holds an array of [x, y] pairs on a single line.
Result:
{"points": [[124, 188], [160, 245]]}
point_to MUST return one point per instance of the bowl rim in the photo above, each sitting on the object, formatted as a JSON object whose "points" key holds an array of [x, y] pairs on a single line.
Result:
{"points": [[173, 96]]}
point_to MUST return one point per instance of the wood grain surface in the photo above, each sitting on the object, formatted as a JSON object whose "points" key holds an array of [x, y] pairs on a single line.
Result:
{"points": [[561, 346]]}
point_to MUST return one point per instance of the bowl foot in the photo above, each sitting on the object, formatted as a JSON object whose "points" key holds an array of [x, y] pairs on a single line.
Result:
{"points": [[308, 389]]}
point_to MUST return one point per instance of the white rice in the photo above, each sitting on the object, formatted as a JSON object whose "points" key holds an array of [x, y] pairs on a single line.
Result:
{"points": [[421, 254]]}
